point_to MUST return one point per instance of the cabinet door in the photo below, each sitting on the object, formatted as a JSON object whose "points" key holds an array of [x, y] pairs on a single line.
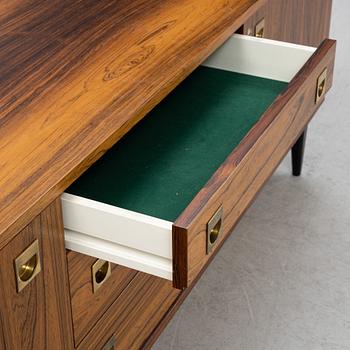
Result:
{"points": [[303, 22], [36, 314]]}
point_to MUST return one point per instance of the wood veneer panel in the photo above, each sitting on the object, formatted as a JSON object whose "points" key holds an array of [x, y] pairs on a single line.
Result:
{"points": [[2, 340], [38, 317], [134, 315], [237, 181], [305, 22], [58, 321], [88, 307], [76, 76]]}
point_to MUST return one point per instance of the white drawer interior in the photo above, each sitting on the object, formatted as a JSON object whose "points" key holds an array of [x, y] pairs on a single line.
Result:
{"points": [[144, 242], [263, 58]]}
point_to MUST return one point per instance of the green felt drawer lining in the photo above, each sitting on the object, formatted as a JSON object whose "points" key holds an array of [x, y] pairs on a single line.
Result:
{"points": [[162, 163]]}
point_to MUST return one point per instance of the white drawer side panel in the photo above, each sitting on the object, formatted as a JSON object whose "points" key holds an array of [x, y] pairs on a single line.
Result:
{"points": [[132, 258], [123, 227], [263, 58]]}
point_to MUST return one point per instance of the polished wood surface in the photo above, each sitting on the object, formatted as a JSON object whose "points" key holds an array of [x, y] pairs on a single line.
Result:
{"points": [[305, 22], [237, 181], [77, 75], [38, 317], [134, 315], [2, 339], [88, 307]]}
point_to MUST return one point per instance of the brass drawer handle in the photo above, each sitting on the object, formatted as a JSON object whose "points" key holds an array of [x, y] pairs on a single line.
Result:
{"points": [[260, 29], [321, 85], [110, 345], [27, 265], [214, 228], [101, 270]]}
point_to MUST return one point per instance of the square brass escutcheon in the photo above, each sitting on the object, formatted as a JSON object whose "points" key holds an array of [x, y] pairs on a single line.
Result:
{"points": [[260, 29], [321, 86], [27, 265], [214, 228], [101, 271]]}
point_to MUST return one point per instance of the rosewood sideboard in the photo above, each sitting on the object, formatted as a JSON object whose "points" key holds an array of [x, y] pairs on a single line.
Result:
{"points": [[133, 137]]}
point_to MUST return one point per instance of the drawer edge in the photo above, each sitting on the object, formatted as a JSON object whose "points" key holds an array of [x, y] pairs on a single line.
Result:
{"points": [[119, 254], [103, 221]]}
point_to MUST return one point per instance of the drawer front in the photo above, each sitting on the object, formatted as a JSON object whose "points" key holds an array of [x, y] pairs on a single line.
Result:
{"points": [[132, 318], [93, 289], [34, 299], [310, 29], [236, 183]]}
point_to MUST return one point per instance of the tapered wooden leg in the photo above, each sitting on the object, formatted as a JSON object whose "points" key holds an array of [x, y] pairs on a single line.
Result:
{"points": [[298, 154]]}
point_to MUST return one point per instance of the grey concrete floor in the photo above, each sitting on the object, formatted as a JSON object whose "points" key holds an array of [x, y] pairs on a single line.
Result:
{"points": [[282, 280]]}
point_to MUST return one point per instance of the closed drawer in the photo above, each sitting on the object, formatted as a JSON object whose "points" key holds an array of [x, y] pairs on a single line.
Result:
{"points": [[166, 196], [132, 318], [94, 286]]}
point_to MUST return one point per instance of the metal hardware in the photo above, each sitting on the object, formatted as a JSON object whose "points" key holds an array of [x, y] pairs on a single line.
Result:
{"points": [[214, 227], [110, 345], [260, 29], [27, 265], [321, 85], [101, 270]]}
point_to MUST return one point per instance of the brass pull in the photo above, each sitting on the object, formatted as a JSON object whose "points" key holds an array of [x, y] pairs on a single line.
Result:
{"points": [[110, 345], [27, 265], [260, 29], [101, 270], [214, 228], [321, 85]]}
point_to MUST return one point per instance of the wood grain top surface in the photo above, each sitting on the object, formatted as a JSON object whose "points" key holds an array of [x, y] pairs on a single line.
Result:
{"points": [[75, 76]]}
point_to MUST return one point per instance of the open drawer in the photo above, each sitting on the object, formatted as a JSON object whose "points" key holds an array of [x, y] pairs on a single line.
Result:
{"points": [[165, 197]]}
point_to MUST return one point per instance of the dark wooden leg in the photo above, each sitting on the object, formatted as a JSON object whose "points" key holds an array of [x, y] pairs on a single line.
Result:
{"points": [[298, 154]]}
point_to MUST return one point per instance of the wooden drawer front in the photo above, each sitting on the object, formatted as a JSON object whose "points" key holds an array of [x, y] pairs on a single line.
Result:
{"points": [[134, 315], [282, 21], [89, 305], [266, 90], [37, 315], [250, 165], [307, 29]]}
